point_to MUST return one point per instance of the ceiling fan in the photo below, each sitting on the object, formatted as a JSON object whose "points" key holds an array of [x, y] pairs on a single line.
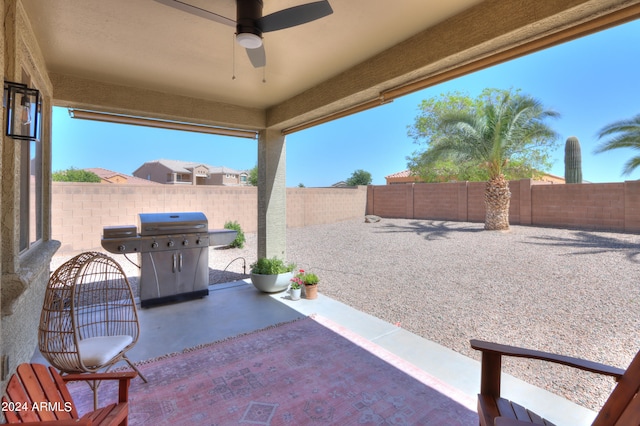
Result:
{"points": [[250, 24]]}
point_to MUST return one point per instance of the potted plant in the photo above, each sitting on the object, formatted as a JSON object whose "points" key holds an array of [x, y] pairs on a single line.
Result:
{"points": [[295, 290], [271, 275], [310, 282]]}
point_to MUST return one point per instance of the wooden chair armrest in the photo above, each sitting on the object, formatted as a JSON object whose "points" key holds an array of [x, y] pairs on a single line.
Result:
{"points": [[125, 375], [581, 364], [124, 378]]}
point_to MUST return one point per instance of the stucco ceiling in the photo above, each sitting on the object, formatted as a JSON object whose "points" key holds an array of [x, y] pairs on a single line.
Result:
{"points": [[314, 70], [143, 43]]}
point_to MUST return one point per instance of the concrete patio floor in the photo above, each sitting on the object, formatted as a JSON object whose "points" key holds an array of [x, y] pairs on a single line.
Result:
{"points": [[236, 308]]}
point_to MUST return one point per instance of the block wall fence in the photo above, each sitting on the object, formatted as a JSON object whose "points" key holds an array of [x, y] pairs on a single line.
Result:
{"points": [[595, 206], [81, 210]]}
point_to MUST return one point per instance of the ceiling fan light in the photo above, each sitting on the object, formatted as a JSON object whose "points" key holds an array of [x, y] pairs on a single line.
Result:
{"points": [[249, 40]]}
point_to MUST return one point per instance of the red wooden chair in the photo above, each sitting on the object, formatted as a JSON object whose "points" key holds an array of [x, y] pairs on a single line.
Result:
{"points": [[37, 394], [621, 409]]}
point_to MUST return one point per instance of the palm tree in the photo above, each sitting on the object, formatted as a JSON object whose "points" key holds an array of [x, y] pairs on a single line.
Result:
{"points": [[628, 136], [504, 127]]}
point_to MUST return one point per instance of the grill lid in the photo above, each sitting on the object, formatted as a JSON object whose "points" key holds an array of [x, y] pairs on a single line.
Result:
{"points": [[172, 223], [126, 231]]}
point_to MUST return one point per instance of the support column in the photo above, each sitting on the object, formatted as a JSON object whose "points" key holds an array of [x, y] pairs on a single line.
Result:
{"points": [[272, 195]]}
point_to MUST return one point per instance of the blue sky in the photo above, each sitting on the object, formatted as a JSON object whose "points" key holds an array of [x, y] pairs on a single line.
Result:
{"points": [[591, 82]]}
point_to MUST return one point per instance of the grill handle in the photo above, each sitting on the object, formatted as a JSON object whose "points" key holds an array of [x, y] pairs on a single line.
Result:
{"points": [[182, 228], [173, 257], [180, 262]]}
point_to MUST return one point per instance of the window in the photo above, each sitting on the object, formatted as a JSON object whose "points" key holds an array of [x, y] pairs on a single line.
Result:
{"points": [[30, 193], [31, 208]]}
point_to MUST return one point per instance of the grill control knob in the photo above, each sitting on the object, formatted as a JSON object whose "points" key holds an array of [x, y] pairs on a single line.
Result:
{"points": [[198, 241], [121, 247], [185, 243], [154, 245], [170, 243]]}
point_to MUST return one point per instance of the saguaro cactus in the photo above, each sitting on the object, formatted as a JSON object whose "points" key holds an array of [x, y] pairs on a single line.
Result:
{"points": [[572, 161]]}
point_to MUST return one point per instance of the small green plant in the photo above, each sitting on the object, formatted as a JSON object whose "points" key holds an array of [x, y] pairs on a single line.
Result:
{"points": [[310, 279], [240, 239], [273, 266], [305, 278], [295, 285]]}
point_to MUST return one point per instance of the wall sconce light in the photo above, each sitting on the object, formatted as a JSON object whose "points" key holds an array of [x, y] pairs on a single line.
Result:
{"points": [[23, 111]]}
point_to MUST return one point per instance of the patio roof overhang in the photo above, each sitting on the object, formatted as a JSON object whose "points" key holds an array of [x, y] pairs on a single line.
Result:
{"points": [[159, 62]]}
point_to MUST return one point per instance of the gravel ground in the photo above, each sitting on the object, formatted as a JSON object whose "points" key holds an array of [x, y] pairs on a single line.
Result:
{"points": [[566, 291]]}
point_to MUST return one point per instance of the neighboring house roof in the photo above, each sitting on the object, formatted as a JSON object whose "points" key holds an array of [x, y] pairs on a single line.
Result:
{"points": [[405, 176], [178, 166], [402, 174], [548, 177], [109, 176]]}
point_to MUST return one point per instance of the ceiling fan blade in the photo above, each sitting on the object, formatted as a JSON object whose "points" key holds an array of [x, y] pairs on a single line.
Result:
{"points": [[257, 56], [293, 16], [194, 10]]}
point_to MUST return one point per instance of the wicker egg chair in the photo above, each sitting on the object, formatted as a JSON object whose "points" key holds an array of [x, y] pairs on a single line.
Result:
{"points": [[89, 318]]}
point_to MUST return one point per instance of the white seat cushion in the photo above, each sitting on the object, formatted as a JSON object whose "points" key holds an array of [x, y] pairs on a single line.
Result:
{"points": [[99, 351]]}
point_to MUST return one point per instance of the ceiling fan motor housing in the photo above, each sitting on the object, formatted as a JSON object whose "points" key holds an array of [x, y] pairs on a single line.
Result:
{"points": [[249, 12]]}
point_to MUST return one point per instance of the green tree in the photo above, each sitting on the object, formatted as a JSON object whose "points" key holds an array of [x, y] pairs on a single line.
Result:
{"points": [[359, 177], [624, 134], [426, 130], [253, 176], [75, 175], [502, 127], [426, 125]]}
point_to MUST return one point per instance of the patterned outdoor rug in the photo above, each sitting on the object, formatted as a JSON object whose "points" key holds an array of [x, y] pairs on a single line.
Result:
{"points": [[309, 371]]}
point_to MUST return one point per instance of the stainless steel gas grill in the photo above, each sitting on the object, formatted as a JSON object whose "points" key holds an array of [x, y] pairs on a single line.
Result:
{"points": [[174, 254]]}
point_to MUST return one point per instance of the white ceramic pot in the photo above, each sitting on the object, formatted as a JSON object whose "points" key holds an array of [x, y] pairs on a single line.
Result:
{"points": [[296, 293], [271, 283]]}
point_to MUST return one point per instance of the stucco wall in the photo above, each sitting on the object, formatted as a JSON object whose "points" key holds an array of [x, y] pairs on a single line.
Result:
{"points": [[24, 274], [601, 206], [81, 210], [315, 206]]}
